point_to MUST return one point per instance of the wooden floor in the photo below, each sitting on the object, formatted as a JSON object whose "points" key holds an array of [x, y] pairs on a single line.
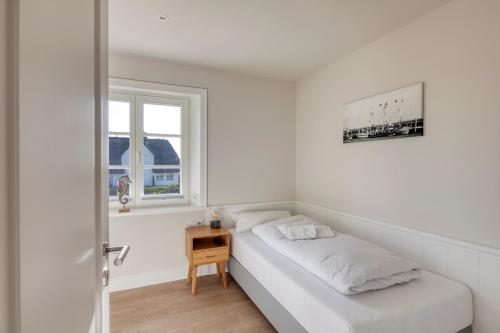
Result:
{"points": [[169, 307]]}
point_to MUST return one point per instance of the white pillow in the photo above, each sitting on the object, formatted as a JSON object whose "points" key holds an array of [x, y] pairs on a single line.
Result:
{"points": [[245, 221]]}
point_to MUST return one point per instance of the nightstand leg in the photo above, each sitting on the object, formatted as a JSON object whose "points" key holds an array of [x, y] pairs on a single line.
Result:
{"points": [[217, 264], [223, 273], [190, 270], [194, 275]]}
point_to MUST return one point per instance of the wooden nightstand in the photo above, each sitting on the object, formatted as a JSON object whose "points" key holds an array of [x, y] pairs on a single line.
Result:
{"points": [[206, 246]]}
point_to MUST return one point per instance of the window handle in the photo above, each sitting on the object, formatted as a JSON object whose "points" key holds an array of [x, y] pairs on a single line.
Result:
{"points": [[139, 156]]}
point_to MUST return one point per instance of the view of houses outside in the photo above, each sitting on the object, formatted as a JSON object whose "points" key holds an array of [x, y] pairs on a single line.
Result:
{"points": [[157, 151], [161, 130]]}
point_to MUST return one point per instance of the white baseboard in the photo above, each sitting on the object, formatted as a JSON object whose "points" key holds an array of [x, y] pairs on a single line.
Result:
{"points": [[151, 278]]}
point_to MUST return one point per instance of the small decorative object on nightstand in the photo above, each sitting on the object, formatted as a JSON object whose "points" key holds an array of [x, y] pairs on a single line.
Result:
{"points": [[215, 222], [204, 246]]}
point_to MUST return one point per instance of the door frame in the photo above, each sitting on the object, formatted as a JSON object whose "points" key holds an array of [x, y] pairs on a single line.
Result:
{"points": [[14, 315], [101, 153]]}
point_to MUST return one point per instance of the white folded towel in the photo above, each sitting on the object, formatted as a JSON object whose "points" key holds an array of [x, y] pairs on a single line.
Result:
{"points": [[321, 231], [324, 231], [296, 232]]}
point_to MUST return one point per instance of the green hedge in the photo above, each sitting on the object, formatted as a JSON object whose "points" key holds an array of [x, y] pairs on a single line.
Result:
{"points": [[162, 189]]}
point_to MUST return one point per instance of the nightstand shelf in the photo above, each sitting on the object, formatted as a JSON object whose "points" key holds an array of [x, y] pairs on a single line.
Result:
{"points": [[207, 246], [200, 244]]}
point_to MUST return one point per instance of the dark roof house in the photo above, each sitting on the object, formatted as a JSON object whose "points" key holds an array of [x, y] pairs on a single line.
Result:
{"points": [[117, 146], [162, 150]]}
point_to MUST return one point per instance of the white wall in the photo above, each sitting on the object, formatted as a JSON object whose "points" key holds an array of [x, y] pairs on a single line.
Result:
{"points": [[157, 243], [251, 158], [157, 247], [251, 127], [4, 239], [446, 182]]}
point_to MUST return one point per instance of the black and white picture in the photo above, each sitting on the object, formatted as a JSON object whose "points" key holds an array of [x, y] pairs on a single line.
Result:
{"points": [[395, 114]]}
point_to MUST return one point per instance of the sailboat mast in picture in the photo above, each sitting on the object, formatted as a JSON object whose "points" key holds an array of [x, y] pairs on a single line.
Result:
{"points": [[394, 114]]}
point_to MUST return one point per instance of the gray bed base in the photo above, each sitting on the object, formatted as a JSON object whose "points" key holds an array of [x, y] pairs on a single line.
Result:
{"points": [[277, 315]]}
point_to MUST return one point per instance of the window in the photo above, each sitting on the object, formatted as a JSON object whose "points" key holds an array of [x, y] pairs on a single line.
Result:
{"points": [[158, 138], [148, 141]]}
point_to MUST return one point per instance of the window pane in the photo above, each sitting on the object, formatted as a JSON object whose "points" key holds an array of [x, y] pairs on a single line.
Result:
{"points": [[162, 181], [118, 116], [114, 178], [162, 151], [162, 119], [119, 150]]}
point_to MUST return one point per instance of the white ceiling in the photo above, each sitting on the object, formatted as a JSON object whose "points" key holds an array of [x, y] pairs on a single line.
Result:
{"points": [[283, 39]]}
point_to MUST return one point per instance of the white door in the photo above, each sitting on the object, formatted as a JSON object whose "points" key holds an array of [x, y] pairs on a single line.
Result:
{"points": [[59, 72]]}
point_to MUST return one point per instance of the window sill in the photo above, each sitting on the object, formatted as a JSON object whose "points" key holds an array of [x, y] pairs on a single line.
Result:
{"points": [[142, 211]]}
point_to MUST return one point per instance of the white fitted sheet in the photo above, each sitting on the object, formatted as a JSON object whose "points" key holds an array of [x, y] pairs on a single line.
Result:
{"points": [[431, 304]]}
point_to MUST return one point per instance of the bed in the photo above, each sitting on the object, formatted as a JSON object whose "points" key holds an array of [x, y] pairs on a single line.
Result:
{"points": [[294, 300]]}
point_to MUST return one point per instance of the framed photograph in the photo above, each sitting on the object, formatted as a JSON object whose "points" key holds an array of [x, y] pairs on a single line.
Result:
{"points": [[395, 114]]}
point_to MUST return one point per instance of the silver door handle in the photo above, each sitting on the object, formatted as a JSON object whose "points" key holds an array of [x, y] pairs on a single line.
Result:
{"points": [[122, 253]]}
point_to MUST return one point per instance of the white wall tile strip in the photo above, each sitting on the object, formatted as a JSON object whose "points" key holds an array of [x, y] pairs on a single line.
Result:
{"points": [[476, 266]]}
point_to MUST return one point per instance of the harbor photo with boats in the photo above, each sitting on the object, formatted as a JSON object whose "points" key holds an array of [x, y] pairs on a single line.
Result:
{"points": [[391, 115]]}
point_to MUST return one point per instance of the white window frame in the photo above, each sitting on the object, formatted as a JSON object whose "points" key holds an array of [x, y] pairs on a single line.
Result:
{"points": [[183, 196], [123, 97], [198, 112], [136, 160]]}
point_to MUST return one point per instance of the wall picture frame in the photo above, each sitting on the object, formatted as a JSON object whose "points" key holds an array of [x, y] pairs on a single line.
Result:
{"points": [[394, 114]]}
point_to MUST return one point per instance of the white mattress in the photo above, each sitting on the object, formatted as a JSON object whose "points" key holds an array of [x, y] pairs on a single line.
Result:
{"points": [[430, 304]]}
